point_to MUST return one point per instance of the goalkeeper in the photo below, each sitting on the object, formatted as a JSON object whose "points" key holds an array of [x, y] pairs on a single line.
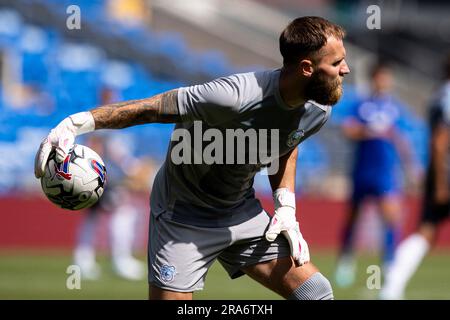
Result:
{"points": [[203, 211]]}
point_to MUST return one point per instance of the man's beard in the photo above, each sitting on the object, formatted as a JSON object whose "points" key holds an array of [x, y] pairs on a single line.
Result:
{"points": [[322, 90]]}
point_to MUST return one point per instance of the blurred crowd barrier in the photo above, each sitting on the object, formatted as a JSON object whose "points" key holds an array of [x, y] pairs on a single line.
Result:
{"points": [[33, 222]]}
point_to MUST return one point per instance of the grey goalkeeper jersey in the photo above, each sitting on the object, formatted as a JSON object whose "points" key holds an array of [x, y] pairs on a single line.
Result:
{"points": [[191, 188]]}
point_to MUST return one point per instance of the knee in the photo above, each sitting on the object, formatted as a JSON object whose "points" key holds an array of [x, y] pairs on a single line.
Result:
{"points": [[317, 287]]}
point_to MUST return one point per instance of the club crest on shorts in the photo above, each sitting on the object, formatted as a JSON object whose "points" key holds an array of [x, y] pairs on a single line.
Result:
{"points": [[294, 137], [167, 273]]}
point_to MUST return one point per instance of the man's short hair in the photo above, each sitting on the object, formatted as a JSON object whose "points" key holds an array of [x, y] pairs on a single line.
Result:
{"points": [[306, 35]]}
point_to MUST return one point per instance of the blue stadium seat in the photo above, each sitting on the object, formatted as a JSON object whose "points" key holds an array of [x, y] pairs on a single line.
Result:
{"points": [[11, 25], [313, 161], [77, 78], [213, 63], [34, 45]]}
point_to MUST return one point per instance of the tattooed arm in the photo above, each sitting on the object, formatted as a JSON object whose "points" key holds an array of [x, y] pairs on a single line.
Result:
{"points": [[161, 108]]}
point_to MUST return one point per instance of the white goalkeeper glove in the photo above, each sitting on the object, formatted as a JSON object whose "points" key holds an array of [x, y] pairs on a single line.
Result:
{"points": [[285, 222], [62, 138]]}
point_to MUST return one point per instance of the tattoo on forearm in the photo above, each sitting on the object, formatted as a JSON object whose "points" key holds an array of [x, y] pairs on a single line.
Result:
{"points": [[160, 108]]}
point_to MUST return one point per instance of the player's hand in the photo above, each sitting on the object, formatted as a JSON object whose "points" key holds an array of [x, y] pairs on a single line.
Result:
{"points": [[61, 139], [285, 222]]}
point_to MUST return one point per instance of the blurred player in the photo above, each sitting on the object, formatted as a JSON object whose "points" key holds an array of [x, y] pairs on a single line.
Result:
{"points": [[119, 202], [436, 203], [373, 126], [84, 254], [203, 211]]}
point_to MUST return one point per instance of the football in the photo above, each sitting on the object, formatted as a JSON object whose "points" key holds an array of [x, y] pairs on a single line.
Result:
{"points": [[76, 183]]}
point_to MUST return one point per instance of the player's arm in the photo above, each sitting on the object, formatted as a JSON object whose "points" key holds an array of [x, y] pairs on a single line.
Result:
{"points": [[212, 102], [440, 139], [411, 167], [354, 129], [403, 147], [285, 176], [160, 108], [284, 219]]}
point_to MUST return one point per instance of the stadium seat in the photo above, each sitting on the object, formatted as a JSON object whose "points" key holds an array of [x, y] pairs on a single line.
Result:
{"points": [[10, 27]]}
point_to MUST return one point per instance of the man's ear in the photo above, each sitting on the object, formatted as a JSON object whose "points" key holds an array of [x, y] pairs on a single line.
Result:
{"points": [[306, 68]]}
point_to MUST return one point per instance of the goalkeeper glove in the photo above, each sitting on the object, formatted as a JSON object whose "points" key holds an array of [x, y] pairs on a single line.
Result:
{"points": [[285, 222], [62, 138]]}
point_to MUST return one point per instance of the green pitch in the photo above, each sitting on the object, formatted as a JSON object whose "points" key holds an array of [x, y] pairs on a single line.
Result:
{"points": [[42, 275]]}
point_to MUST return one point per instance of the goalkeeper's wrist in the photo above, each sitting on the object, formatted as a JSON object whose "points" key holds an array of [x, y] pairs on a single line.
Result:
{"points": [[82, 122], [283, 197]]}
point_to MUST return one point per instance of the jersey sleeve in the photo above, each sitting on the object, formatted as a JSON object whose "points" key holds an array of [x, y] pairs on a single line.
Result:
{"points": [[214, 102]]}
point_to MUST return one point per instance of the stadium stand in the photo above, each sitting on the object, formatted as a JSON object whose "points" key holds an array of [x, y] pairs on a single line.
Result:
{"points": [[51, 72]]}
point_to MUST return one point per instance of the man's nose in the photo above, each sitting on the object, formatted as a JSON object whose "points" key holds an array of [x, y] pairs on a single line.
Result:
{"points": [[345, 69]]}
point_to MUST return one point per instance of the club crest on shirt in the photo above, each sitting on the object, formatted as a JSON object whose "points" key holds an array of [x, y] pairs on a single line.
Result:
{"points": [[167, 273], [294, 137]]}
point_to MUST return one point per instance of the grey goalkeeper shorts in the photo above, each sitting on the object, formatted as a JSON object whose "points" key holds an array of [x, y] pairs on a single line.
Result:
{"points": [[180, 255]]}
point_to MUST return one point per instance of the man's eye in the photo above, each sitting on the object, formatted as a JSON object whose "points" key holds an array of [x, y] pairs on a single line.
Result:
{"points": [[337, 63]]}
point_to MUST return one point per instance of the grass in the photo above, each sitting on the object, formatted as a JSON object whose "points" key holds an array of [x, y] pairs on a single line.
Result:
{"points": [[42, 275]]}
